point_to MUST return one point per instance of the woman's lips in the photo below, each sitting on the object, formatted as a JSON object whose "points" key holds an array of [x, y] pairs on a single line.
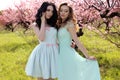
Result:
{"points": [[62, 15]]}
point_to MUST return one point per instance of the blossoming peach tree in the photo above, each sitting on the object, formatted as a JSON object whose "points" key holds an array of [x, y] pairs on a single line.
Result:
{"points": [[101, 16]]}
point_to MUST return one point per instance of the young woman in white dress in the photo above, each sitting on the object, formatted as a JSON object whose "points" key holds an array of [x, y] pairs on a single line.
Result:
{"points": [[42, 62]]}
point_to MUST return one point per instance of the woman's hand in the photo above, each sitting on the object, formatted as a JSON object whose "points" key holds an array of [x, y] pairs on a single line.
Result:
{"points": [[33, 25], [43, 17], [91, 58], [73, 44]]}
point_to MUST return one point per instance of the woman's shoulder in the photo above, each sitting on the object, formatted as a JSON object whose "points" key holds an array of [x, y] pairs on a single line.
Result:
{"points": [[70, 24]]}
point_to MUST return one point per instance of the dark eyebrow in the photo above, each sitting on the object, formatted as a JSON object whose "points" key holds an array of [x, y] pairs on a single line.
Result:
{"points": [[49, 10], [64, 9]]}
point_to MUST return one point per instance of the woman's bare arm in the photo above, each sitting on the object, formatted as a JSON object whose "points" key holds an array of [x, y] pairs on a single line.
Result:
{"points": [[40, 32], [72, 31]]}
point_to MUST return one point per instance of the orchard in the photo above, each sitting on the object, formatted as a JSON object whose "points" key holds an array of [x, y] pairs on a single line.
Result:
{"points": [[101, 16]]}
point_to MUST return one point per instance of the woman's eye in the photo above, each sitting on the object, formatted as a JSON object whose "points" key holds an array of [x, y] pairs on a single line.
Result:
{"points": [[66, 11], [63, 10], [48, 9]]}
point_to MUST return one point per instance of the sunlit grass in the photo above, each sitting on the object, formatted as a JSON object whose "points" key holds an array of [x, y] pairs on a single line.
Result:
{"points": [[15, 47], [107, 54], [14, 51]]}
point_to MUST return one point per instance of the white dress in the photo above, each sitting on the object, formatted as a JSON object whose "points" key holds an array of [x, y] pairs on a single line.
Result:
{"points": [[43, 60]]}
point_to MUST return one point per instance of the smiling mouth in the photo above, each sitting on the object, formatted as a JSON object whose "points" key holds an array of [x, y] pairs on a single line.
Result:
{"points": [[48, 16], [62, 15]]}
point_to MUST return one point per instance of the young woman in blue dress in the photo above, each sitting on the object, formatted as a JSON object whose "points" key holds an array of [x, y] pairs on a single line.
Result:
{"points": [[71, 65]]}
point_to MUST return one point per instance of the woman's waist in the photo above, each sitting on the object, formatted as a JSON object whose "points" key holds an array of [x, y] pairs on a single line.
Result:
{"points": [[65, 43], [49, 43]]}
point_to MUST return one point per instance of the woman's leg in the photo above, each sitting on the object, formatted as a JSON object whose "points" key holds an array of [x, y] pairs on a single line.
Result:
{"points": [[51, 79], [48, 79], [39, 79], [45, 79]]}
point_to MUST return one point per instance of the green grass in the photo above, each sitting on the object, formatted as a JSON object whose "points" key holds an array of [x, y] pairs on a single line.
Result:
{"points": [[15, 47], [14, 51], [108, 55]]}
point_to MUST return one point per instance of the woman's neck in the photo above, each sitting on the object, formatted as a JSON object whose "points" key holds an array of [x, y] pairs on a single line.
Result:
{"points": [[63, 20], [47, 25]]}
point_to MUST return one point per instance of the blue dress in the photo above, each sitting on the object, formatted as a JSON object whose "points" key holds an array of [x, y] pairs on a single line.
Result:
{"points": [[72, 66], [42, 61]]}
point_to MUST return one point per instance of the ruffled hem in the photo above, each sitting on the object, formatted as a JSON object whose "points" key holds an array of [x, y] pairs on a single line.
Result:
{"points": [[43, 61]]}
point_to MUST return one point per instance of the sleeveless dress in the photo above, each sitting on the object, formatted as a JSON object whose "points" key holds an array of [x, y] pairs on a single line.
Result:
{"points": [[43, 60], [72, 66]]}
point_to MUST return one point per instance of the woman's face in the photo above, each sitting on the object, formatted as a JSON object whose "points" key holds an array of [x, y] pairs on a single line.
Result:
{"points": [[64, 12], [49, 12]]}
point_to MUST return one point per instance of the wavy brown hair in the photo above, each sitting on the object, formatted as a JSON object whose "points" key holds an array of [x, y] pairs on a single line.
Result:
{"points": [[69, 18]]}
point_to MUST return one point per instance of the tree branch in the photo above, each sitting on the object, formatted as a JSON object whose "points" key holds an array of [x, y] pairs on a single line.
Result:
{"points": [[95, 8], [113, 3], [108, 3]]}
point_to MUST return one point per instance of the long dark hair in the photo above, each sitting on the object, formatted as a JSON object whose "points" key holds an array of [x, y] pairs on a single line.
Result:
{"points": [[52, 21]]}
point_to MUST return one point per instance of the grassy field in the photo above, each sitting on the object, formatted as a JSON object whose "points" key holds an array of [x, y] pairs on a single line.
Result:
{"points": [[15, 47]]}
